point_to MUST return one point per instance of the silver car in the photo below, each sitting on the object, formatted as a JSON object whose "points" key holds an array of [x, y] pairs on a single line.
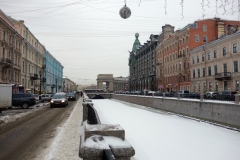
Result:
{"points": [[59, 99]]}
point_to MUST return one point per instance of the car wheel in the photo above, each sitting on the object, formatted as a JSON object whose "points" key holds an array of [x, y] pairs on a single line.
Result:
{"points": [[25, 105]]}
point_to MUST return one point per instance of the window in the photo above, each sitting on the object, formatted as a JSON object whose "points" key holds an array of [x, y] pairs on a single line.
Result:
{"points": [[196, 38], [202, 57], [204, 38], [187, 39], [225, 85], [23, 66], [235, 63], [209, 71], [214, 54], [208, 55], [204, 28], [198, 72], [224, 51], [192, 60], [203, 72], [194, 25], [215, 70], [237, 85], [193, 73], [234, 48], [197, 59]]}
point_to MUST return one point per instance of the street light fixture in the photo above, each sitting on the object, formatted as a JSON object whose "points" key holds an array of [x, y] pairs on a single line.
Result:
{"points": [[63, 86], [56, 84], [40, 75]]}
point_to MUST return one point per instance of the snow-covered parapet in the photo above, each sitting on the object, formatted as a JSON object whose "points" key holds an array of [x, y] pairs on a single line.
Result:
{"points": [[99, 140]]}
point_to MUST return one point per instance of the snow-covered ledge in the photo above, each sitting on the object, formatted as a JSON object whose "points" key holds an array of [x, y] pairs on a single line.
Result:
{"points": [[98, 138]]}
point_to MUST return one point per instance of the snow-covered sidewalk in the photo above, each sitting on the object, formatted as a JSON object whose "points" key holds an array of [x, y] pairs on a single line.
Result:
{"points": [[66, 144]]}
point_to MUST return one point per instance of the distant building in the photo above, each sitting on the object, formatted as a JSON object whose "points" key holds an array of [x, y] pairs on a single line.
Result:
{"points": [[142, 62], [215, 65], [173, 58], [109, 83], [53, 74], [68, 85], [11, 44]]}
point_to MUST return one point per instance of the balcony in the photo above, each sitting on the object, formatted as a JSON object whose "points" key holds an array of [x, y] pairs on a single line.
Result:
{"points": [[159, 64], [223, 76], [6, 61], [151, 74], [181, 56], [33, 76]]}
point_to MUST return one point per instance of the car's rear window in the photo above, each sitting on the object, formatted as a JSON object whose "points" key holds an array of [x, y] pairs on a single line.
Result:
{"points": [[58, 96], [17, 95], [233, 92], [27, 95]]}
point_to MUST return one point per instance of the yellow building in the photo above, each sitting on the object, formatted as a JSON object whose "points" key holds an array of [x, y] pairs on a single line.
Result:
{"points": [[215, 65]]}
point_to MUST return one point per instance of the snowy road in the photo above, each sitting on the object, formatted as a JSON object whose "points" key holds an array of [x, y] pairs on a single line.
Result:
{"points": [[157, 135]]}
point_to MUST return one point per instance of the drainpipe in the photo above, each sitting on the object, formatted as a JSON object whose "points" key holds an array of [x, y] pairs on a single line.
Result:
{"points": [[13, 51], [205, 59]]}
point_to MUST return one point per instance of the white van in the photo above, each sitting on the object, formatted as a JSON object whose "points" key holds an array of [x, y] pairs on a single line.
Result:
{"points": [[5, 96], [45, 97]]}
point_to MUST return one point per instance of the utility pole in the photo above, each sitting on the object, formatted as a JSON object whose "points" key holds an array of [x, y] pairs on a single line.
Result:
{"points": [[56, 84]]}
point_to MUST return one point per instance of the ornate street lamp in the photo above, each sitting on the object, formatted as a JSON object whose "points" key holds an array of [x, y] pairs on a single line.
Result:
{"points": [[125, 12]]}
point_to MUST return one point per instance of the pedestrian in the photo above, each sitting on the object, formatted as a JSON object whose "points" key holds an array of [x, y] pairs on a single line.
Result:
{"points": [[81, 93]]}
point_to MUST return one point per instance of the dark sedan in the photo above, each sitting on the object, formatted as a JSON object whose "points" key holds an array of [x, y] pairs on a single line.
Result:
{"points": [[71, 96]]}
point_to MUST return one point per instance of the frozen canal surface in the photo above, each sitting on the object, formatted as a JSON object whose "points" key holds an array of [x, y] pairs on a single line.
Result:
{"points": [[159, 135]]}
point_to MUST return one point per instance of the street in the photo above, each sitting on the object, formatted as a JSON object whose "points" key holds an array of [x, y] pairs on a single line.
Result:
{"points": [[30, 134]]}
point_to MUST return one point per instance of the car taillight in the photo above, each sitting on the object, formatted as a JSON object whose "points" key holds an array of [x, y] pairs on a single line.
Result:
{"points": [[34, 98]]}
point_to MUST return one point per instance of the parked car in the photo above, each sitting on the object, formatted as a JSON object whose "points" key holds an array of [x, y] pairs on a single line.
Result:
{"points": [[71, 96], [37, 97], [183, 93], [45, 97], [210, 95], [59, 99], [194, 95], [23, 99], [159, 93], [226, 95]]}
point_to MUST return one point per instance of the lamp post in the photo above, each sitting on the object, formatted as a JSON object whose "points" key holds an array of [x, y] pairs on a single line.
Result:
{"points": [[63, 86], [56, 84], [40, 75]]}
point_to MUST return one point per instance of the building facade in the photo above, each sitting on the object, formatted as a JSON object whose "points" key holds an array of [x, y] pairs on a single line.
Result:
{"points": [[68, 85], [53, 74], [173, 58], [142, 65], [10, 52], [109, 83], [215, 65], [33, 61]]}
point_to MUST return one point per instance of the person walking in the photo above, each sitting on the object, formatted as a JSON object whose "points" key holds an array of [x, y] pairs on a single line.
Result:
{"points": [[81, 93]]}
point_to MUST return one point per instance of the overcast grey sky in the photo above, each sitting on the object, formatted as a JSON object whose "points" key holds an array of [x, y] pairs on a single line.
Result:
{"points": [[89, 37]]}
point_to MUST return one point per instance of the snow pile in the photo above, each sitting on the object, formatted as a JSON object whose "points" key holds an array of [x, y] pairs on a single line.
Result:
{"points": [[96, 141], [168, 136], [7, 116], [115, 142], [103, 127]]}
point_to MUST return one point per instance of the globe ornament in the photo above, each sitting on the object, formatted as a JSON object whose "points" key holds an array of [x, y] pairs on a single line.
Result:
{"points": [[125, 12]]}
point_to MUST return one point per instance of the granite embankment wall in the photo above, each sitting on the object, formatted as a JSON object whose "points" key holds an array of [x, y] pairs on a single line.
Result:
{"points": [[226, 113]]}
